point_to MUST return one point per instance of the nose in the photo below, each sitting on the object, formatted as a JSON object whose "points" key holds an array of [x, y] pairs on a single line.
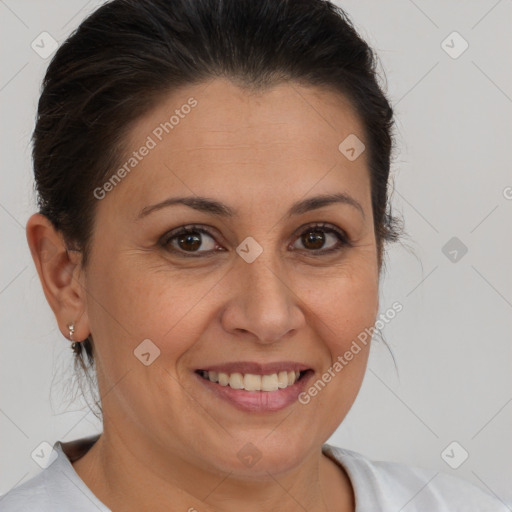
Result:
{"points": [[262, 306]]}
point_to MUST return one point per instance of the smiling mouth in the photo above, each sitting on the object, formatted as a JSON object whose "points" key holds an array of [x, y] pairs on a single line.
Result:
{"points": [[253, 382]]}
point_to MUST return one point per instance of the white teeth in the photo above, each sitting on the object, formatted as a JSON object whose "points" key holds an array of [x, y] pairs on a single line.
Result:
{"points": [[269, 382], [252, 382], [282, 379], [236, 381]]}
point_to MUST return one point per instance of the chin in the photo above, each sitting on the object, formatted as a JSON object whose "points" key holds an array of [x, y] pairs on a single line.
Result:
{"points": [[256, 458]]}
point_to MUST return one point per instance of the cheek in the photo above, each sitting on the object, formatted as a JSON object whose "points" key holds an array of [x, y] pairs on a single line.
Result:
{"points": [[133, 303], [346, 303], [343, 310]]}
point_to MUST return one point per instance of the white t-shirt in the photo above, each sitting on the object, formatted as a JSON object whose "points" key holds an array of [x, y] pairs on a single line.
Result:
{"points": [[379, 486]]}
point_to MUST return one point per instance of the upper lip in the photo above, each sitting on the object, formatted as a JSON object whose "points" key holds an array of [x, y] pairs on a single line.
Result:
{"points": [[256, 368]]}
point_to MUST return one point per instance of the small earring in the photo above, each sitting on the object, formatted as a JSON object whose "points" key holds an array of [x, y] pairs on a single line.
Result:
{"points": [[71, 328]]}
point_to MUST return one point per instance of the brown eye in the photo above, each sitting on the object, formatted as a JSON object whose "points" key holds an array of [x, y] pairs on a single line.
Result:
{"points": [[322, 239], [313, 240], [197, 241], [189, 240]]}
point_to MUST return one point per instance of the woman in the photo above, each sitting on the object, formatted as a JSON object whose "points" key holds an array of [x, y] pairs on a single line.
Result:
{"points": [[212, 181]]}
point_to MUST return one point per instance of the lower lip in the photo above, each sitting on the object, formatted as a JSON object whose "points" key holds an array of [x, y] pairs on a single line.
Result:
{"points": [[258, 401]]}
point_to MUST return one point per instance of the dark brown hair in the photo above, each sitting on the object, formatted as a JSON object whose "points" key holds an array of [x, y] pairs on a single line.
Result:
{"points": [[128, 54]]}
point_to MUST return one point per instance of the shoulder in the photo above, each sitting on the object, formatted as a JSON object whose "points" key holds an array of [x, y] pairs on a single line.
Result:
{"points": [[57, 488], [395, 486], [31, 496]]}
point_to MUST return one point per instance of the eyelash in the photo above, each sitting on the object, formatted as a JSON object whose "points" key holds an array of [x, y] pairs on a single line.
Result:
{"points": [[343, 240]]}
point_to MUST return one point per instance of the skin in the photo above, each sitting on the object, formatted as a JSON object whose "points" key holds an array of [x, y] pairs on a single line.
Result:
{"points": [[165, 439]]}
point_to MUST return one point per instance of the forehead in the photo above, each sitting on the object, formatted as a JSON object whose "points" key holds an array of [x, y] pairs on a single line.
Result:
{"points": [[216, 137]]}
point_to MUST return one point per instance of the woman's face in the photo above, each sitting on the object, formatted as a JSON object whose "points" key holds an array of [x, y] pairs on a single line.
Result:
{"points": [[256, 293]]}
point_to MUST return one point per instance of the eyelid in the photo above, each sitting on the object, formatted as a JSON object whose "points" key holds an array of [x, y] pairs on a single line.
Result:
{"points": [[165, 240], [343, 238], [166, 237], [322, 225]]}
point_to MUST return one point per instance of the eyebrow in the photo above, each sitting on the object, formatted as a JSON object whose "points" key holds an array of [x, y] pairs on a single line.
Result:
{"points": [[213, 207]]}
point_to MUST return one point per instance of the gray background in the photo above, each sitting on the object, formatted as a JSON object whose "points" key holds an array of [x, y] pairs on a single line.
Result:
{"points": [[452, 178]]}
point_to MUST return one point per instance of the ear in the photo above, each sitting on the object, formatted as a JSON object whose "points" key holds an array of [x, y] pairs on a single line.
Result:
{"points": [[61, 275]]}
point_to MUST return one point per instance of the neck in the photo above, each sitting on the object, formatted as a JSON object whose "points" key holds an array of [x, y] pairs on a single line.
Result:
{"points": [[135, 476]]}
